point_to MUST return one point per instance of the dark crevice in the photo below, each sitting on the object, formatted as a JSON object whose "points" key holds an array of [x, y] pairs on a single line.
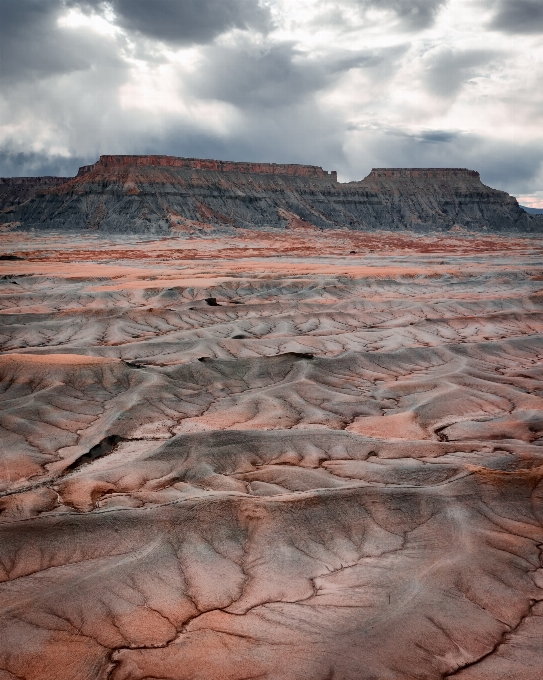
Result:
{"points": [[212, 302], [133, 364], [103, 448], [503, 639], [440, 434]]}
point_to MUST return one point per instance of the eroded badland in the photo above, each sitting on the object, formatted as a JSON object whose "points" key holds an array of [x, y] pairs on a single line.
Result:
{"points": [[295, 452]]}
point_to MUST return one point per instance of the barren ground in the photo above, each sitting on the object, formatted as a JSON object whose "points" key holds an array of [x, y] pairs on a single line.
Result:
{"points": [[284, 456]]}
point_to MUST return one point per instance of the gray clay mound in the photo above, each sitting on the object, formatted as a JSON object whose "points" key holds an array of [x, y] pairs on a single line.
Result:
{"points": [[283, 476]]}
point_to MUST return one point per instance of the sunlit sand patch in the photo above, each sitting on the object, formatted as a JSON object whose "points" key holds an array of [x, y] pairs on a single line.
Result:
{"points": [[395, 426]]}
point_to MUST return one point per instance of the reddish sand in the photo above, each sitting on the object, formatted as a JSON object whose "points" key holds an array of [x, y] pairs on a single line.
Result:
{"points": [[265, 456]]}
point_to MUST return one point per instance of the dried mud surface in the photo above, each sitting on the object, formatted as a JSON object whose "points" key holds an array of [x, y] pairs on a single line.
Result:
{"points": [[286, 456]]}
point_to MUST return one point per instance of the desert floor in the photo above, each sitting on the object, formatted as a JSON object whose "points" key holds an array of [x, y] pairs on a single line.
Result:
{"points": [[283, 456]]}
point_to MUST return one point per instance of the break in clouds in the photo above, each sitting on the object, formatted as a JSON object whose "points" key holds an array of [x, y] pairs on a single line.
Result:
{"points": [[346, 84]]}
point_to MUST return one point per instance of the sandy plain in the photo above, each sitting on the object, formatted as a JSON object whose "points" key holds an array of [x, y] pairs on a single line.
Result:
{"points": [[295, 455]]}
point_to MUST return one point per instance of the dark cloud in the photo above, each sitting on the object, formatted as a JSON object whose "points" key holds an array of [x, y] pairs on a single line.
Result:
{"points": [[14, 164], [518, 16], [447, 69], [31, 43], [279, 75], [438, 136], [424, 136], [183, 21], [33, 46], [272, 77]]}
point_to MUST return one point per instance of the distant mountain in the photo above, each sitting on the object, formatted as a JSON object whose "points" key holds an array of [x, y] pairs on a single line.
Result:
{"points": [[532, 211], [165, 194]]}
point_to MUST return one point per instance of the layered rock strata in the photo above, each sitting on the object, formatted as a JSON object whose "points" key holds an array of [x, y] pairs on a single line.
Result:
{"points": [[161, 194]]}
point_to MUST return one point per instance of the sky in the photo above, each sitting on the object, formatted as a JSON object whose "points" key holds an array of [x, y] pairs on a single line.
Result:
{"points": [[345, 84]]}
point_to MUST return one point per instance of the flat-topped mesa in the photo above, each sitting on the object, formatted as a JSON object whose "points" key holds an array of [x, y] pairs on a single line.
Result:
{"points": [[172, 195], [423, 173], [293, 170]]}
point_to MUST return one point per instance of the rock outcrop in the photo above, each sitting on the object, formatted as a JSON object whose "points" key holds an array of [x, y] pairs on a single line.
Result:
{"points": [[442, 198], [160, 194]]}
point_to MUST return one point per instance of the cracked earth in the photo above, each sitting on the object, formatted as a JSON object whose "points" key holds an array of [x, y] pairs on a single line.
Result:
{"points": [[290, 456]]}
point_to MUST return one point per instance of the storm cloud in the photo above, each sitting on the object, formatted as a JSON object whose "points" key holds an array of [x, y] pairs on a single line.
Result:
{"points": [[183, 21], [518, 16], [31, 43], [449, 69], [253, 76]]}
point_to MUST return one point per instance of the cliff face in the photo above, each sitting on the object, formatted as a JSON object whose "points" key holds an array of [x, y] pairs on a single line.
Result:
{"points": [[159, 194], [443, 198]]}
